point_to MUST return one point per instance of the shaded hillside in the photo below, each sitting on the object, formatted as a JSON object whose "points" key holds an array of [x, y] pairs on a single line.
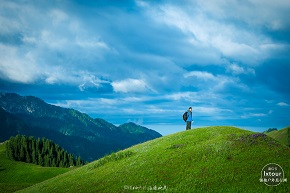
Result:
{"points": [[283, 135], [10, 125], [75, 131], [18, 175], [211, 159]]}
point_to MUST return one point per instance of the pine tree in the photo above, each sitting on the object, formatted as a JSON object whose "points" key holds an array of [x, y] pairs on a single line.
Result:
{"points": [[46, 161], [38, 146], [52, 152], [40, 160], [22, 156], [65, 160], [78, 161], [71, 160], [24, 148], [9, 150], [28, 159], [61, 164], [58, 156], [33, 157], [53, 162], [16, 144], [32, 141]]}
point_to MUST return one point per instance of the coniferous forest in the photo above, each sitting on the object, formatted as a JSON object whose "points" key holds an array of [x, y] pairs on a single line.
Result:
{"points": [[40, 151]]}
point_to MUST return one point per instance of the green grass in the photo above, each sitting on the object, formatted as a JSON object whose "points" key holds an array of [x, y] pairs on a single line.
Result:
{"points": [[18, 175], [211, 159], [283, 135]]}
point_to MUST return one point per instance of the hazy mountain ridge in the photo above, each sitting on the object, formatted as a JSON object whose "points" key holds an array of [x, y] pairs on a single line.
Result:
{"points": [[37, 118]]}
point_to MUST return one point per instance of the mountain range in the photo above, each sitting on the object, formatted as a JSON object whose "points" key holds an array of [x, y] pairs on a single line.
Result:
{"points": [[76, 132]]}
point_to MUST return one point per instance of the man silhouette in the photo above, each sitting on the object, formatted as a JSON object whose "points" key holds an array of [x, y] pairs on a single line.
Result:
{"points": [[189, 118]]}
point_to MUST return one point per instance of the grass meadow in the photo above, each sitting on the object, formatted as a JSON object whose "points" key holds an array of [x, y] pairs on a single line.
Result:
{"points": [[209, 159]]}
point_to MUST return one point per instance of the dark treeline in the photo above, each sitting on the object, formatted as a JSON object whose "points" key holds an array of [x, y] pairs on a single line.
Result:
{"points": [[40, 151]]}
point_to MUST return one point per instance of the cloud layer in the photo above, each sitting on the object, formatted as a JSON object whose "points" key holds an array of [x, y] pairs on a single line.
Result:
{"points": [[150, 60]]}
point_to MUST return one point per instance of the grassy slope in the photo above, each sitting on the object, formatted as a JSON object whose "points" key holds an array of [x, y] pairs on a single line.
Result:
{"points": [[219, 159], [282, 135], [18, 175]]}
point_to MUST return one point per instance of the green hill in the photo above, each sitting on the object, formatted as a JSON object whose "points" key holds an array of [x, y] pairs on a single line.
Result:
{"points": [[18, 175], [282, 135], [210, 159]]}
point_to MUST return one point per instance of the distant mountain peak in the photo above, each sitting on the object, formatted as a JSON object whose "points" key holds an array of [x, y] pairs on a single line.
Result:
{"points": [[130, 123], [138, 130]]}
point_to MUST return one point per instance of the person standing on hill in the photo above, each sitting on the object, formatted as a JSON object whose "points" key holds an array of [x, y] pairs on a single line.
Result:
{"points": [[189, 118]]}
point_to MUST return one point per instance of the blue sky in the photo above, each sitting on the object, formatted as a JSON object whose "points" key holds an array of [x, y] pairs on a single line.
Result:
{"points": [[148, 61]]}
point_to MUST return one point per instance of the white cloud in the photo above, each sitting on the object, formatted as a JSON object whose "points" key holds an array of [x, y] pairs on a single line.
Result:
{"points": [[122, 104], [58, 74], [17, 67], [215, 113], [186, 96], [236, 69], [205, 80], [86, 43], [53, 45], [283, 104], [200, 75], [258, 114], [130, 85], [89, 105], [12, 17], [267, 13], [58, 17], [88, 81], [52, 40], [142, 3]]}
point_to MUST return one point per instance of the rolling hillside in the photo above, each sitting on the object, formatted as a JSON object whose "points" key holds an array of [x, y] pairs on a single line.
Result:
{"points": [[283, 135], [18, 175], [210, 159]]}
